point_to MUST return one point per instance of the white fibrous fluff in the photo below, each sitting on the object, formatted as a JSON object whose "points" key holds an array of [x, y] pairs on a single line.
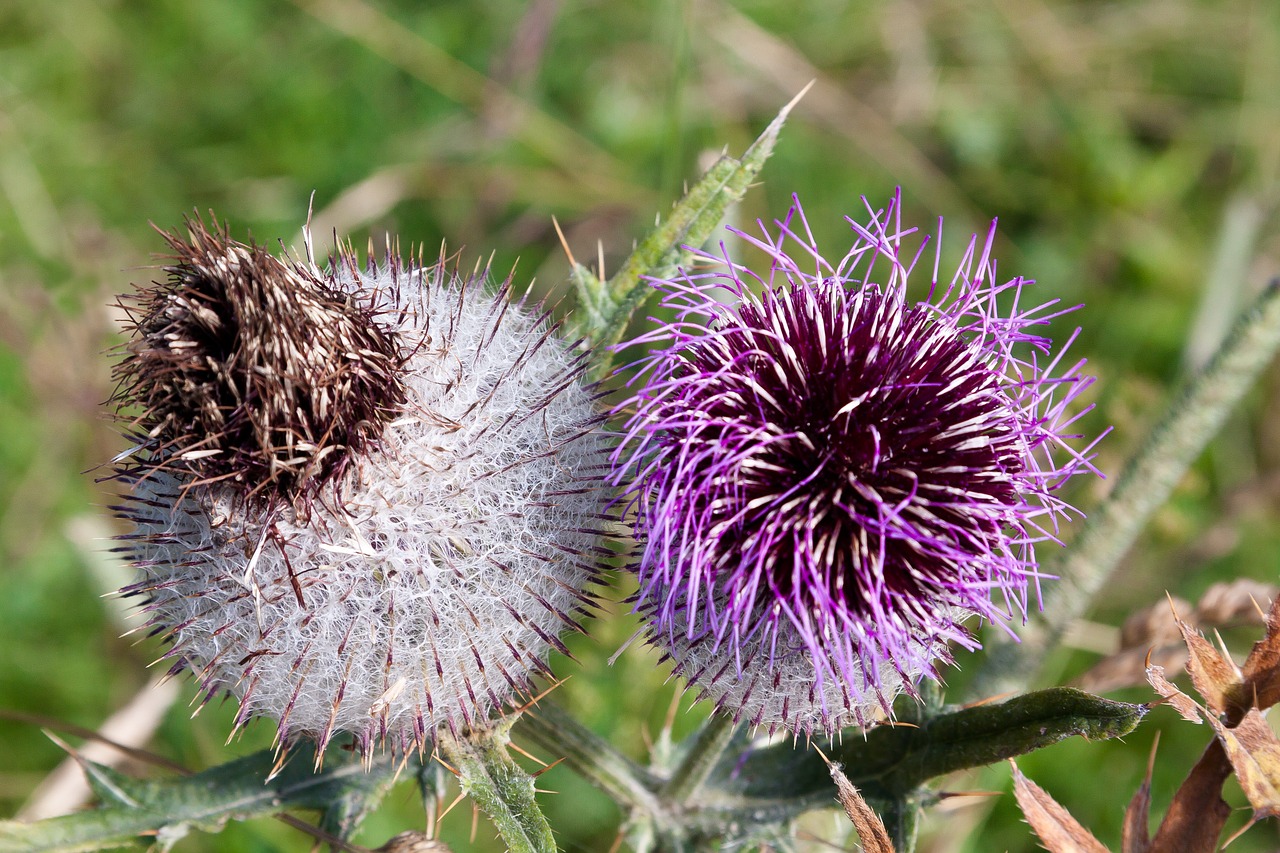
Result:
{"points": [[425, 582]]}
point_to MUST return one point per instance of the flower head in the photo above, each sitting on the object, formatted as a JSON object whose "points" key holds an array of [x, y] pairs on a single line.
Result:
{"points": [[364, 499], [829, 478]]}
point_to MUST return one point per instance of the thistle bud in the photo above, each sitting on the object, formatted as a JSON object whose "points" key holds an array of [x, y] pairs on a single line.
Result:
{"points": [[364, 499]]}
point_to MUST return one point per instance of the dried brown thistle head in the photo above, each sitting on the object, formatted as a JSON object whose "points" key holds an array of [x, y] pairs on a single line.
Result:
{"points": [[252, 370]]}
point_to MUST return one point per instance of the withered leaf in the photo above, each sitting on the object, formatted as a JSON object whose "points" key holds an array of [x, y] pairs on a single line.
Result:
{"points": [[1127, 668], [1058, 830], [1135, 834], [1262, 667], [1216, 677], [1254, 752], [1234, 601], [1155, 625], [1181, 702], [1194, 820]]}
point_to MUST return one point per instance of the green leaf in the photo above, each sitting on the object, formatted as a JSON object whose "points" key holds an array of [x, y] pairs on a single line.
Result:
{"points": [[344, 813], [605, 308], [169, 807], [781, 782]]}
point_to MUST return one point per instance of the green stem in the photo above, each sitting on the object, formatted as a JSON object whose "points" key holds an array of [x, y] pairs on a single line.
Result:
{"points": [[560, 734], [499, 786], [1196, 414], [902, 821], [705, 749]]}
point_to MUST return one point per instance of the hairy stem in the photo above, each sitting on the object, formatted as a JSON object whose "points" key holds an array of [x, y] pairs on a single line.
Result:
{"points": [[559, 733], [499, 786]]}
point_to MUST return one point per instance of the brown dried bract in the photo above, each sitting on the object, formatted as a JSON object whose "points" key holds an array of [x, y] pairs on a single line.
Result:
{"points": [[1262, 667], [253, 370], [870, 828], [1058, 830], [1181, 702], [1197, 813], [1216, 677], [1135, 834]]}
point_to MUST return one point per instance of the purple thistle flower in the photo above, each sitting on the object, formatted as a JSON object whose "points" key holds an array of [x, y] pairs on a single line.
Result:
{"points": [[829, 479]]}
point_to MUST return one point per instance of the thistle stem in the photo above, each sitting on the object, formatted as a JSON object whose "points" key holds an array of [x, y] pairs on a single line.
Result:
{"points": [[628, 784], [705, 749], [1196, 414], [499, 786]]}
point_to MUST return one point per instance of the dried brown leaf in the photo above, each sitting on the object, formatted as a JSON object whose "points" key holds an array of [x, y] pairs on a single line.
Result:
{"points": [[1135, 834], [1058, 830], [1262, 667], [871, 831], [1156, 625], [1197, 814], [1128, 668], [1181, 702], [1235, 602], [1216, 677], [1254, 752]]}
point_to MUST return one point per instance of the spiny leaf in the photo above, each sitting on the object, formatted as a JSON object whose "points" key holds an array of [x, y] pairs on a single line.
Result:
{"points": [[778, 782], [606, 307], [1060, 832], [1216, 677], [985, 734], [1179, 701], [1135, 835], [205, 801], [1262, 667], [1254, 752], [343, 814]]}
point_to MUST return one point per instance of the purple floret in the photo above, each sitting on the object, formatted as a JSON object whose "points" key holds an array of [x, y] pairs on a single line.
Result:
{"points": [[829, 479]]}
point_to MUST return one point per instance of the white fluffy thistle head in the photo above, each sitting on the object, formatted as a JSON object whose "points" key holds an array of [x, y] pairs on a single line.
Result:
{"points": [[422, 581]]}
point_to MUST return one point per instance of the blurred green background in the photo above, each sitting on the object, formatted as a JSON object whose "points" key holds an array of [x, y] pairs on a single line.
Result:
{"points": [[1130, 150]]}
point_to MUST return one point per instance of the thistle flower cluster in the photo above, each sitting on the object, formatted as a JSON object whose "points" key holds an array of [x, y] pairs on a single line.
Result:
{"points": [[364, 499], [828, 479]]}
